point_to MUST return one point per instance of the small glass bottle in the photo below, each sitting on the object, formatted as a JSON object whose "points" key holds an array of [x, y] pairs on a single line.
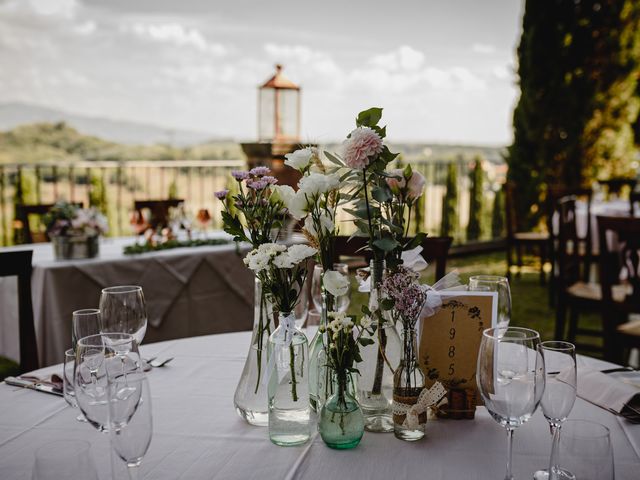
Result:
{"points": [[289, 411], [408, 384], [341, 422]]}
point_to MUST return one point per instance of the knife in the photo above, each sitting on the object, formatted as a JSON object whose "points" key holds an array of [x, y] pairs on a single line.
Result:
{"points": [[40, 387]]}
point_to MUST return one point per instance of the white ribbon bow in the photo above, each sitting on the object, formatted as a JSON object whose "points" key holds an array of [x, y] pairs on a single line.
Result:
{"points": [[288, 323], [425, 400], [410, 258], [451, 281]]}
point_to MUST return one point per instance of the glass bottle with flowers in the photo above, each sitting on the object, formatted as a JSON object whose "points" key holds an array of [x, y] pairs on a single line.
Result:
{"points": [[404, 298], [254, 215], [366, 157], [341, 422], [283, 271], [315, 202]]}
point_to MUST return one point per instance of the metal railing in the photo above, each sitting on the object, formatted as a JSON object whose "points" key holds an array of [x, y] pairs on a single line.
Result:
{"points": [[116, 185]]}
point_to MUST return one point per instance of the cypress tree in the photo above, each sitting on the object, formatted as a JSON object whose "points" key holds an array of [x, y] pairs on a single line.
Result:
{"points": [[449, 225], [474, 227], [578, 63], [497, 215]]}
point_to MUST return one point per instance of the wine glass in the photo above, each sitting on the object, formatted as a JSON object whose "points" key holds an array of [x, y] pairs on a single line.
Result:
{"points": [[130, 420], [558, 398], [96, 362], [342, 302], [586, 450], [68, 389], [510, 376], [68, 459], [124, 310], [84, 323], [495, 283]]}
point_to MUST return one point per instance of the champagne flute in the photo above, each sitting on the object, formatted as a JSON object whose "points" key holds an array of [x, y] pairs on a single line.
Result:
{"points": [[68, 389], [123, 310], [510, 376], [558, 399], [96, 361], [342, 302], [84, 322], [130, 420], [495, 283]]}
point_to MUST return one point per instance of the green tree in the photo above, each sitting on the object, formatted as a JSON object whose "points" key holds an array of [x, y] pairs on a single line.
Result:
{"points": [[449, 225], [476, 204], [578, 64], [497, 215]]}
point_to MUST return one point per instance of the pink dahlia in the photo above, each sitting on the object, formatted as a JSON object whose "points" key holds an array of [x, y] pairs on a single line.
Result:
{"points": [[362, 144]]}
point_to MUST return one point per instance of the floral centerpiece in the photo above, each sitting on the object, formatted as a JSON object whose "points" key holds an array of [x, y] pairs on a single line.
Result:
{"points": [[75, 231], [282, 271], [254, 215], [341, 423]]}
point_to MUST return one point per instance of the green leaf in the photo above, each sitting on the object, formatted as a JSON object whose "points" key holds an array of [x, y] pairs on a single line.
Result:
{"points": [[415, 241], [387, 304], [386, 244], [364, 341], [381, 194], [369, 118], [333, 159], [407, 172], [387, 156]]}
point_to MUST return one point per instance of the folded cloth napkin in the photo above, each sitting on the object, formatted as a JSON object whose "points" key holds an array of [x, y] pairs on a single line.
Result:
{"points": [[53, 380], [608, 391]]}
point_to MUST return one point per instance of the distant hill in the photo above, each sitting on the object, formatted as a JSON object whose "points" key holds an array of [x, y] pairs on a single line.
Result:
{"points": [[15, 114]]}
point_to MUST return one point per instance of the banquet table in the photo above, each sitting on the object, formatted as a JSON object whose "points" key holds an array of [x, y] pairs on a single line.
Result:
{"points": [[197, 434], [183, 288]]}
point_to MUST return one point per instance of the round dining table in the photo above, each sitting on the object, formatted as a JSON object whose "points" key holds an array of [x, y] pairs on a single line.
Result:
{"points": [[198, 435]]}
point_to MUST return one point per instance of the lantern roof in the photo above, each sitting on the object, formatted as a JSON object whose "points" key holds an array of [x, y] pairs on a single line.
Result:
{"points": [[280, 81]]}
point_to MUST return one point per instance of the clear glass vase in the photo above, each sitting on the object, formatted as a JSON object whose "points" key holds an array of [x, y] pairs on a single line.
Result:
{"points": [[289, 411], [251, 399], [341, 422], [379, 362], [407, 386]]}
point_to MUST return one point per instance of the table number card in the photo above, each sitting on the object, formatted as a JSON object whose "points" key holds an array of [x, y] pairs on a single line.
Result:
{"points": [[449, 344]]}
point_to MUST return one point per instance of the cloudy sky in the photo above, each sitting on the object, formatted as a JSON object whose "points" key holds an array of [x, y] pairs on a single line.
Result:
{"points": [[442, 69]]}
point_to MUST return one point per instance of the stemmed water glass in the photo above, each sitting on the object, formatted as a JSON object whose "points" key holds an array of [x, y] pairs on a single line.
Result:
{"points": [[510, 376], [123, 310], [342, 302], [96, 362], [558, 399], [84, 323], [130, 419], [495, 283]]}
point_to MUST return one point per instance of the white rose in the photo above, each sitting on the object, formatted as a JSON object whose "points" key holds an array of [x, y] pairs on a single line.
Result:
{"points": [[335, 283], [299, 159]]}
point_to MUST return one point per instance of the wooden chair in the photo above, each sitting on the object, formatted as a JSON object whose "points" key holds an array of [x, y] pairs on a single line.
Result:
{"points": [[18, 264], [518, 240], [434, 249], [634, 198], [619, 252], [159, 209], [23, 212]]}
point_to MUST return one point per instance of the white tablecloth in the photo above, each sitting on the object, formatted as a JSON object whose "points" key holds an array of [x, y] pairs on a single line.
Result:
{"points": [[197, 434], [183, 287]]}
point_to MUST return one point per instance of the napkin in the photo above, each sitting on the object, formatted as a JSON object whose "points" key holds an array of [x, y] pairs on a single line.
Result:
{"points": [[610, 392]]}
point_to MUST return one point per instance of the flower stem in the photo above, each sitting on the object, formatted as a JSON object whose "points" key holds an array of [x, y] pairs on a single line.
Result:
{"points": [[294, 382]]}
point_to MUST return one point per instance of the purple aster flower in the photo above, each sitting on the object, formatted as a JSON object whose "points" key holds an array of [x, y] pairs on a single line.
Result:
{"points": [[258, 184], [240, 175], [222, 194], [259, 171], [270, 180]]}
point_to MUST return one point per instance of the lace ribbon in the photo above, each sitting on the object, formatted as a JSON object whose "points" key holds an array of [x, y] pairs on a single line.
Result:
{"points": [[425, 400]]}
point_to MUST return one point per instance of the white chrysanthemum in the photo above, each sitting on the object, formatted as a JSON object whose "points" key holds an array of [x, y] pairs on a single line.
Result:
{"points": [[283, 260], [299, 159], [335, 283], [300, 252]]}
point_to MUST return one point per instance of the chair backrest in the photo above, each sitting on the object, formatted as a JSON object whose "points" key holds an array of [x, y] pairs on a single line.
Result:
{"points": [[22, 215], [434, 249], [555, 192], [620, 250], [159, 209], [568, 253], [615, 185], [634, 197], [18, 264]]}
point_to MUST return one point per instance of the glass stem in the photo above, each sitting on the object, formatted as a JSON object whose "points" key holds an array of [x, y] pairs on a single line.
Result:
{"points": [[509, 475], [553, 459], [133, 471]]}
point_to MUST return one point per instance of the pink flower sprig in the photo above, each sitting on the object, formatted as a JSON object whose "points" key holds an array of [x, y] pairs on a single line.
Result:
{"points": [[404, 295]]}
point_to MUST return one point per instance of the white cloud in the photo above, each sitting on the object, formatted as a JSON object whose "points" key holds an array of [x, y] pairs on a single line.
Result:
{"points": [[483, 48], [177, 34], [404, 58], [86, 28]]}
